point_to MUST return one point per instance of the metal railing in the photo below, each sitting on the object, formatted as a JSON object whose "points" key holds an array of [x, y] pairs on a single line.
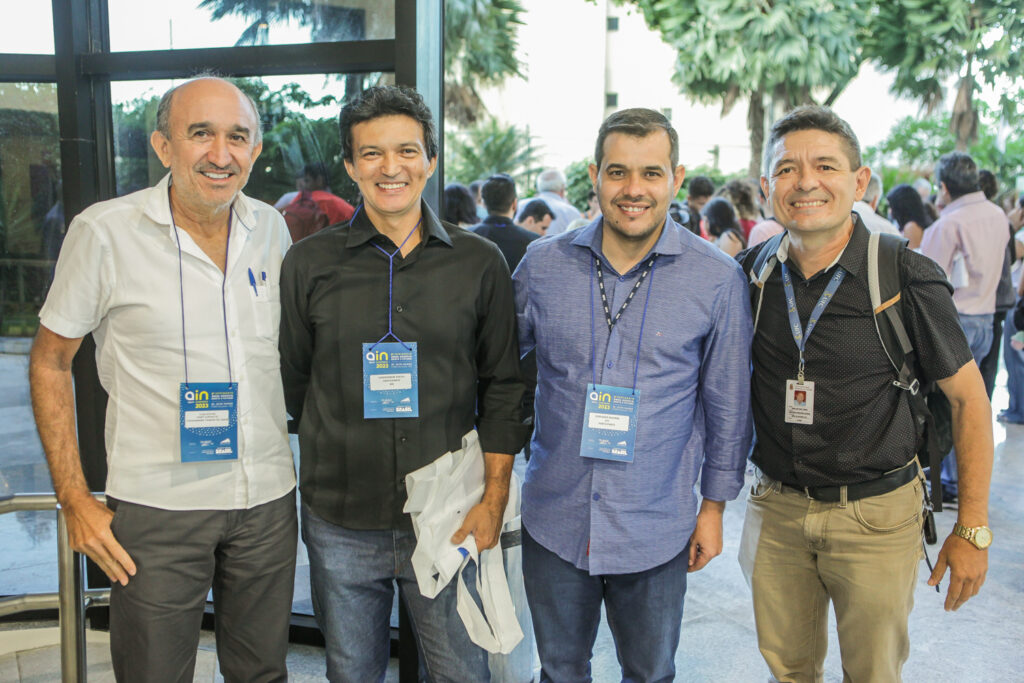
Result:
{"points": [[70, 599]]}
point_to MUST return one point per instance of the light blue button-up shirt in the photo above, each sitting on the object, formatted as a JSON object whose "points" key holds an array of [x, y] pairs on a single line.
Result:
{"points": [[694, 376]]}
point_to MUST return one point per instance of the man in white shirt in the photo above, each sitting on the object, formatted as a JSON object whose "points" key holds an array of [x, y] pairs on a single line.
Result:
{"points": [[179, 285], [551, 188], [865, 207]]}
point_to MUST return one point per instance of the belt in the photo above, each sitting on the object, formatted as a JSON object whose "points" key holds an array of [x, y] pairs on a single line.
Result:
{"points": [[876, 487]]}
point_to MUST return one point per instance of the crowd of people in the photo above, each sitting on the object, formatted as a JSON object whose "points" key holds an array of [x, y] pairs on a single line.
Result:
{"points": [[395, 338]]}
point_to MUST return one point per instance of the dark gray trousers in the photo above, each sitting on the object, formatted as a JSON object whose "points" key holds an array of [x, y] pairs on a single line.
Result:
{"points": [[246, 556]]}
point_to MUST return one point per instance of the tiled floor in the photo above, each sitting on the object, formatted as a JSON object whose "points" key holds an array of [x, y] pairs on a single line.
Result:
{"points": [[981, 642]]}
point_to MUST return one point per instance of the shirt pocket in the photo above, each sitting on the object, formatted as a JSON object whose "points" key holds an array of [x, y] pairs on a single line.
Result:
{"points": [[266, 311]]}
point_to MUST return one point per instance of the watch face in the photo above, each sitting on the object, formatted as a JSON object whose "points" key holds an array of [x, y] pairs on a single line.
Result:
{"points": [[983, 537]]}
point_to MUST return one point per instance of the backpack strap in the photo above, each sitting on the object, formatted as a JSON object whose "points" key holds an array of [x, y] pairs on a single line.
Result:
{"points": [[885, 285], [764, 264]]}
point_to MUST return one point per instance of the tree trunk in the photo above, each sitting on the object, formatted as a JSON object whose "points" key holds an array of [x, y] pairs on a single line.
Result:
{"points": [[755, 125], [964, 121]]}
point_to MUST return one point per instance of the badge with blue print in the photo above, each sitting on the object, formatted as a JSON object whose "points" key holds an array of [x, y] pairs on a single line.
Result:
{"points": [[208, 417], [390, 380], [609, 423]]}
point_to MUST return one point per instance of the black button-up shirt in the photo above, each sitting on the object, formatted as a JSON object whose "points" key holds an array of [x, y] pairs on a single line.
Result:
{"points": [[862, 422], [452, 295]]}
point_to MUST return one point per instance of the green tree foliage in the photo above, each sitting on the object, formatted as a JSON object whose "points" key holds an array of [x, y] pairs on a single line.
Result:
{"points": [[488, 148], [577, 183], [291, 139], [926, 43], [758, 49], [480, 39], [914, 145]]}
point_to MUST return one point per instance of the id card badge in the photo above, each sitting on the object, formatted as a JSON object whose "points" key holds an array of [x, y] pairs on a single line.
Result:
{"points": [[799, 402], [390, 380], [609, 423], [208, 417]]}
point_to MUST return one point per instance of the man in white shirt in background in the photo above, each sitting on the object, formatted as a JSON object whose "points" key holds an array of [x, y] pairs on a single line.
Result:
{"points": [[551, 188], [178, 284], [866, 207]]}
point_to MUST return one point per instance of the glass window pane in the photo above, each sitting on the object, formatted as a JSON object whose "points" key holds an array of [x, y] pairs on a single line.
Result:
{"points": [[300, 129], [183, 24], [31, 230], [299, 118], [27, 27]]}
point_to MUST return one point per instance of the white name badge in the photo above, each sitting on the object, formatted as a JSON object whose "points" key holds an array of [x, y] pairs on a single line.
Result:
{"points": [[208, 420], [609, 423], [799, 402], [390, 380]]}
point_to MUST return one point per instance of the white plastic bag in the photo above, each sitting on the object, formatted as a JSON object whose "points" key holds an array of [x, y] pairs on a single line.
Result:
{"points": [[440, 495]]}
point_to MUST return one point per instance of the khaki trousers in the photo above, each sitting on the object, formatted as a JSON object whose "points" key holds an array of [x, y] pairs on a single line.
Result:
{"points": [[798, 554]]}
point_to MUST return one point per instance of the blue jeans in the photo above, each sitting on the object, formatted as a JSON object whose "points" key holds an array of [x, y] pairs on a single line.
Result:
{"points": [[351, 576], [1014, 362], [978, 330], [645, 611]]}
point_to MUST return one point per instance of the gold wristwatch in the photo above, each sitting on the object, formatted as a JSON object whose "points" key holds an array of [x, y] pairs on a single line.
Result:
{"points": [[980, 536]]}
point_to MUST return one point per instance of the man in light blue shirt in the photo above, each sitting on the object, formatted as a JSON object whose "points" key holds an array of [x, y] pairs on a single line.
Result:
{"points": [[642, 332]]}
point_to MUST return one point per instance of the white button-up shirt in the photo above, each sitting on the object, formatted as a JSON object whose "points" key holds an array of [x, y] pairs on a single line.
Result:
{"points": [[117, 276]]}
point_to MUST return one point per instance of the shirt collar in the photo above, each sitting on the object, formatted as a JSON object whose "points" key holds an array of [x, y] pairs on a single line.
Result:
{"points": [[158, 207], [500, 221], [964, 200], [852, 260], [361, 229], [669, 242]]}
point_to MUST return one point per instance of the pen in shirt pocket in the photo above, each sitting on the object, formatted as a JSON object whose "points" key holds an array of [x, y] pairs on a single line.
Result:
{"points": [[252, 282]]}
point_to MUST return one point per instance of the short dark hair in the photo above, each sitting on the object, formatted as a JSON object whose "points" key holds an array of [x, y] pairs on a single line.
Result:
{"points": [[988, 183], [700, 186], [813, 117], [386, 100], [457, 205], [638, 123], [958, 172], [474, 188], [906, 205], [498, 193], [535, 209]]}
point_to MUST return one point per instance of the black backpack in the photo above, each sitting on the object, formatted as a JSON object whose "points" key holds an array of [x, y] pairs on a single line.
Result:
{"points": [[931, 410]]}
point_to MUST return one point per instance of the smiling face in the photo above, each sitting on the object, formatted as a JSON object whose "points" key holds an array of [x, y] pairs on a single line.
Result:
{"points": [[210, 149], [390, 165], [811, 183], [635, 184]]}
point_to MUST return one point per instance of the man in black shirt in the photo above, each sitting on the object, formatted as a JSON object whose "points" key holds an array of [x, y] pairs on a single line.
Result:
{"points": [[394, 287], [835, 513], [499, 193]]}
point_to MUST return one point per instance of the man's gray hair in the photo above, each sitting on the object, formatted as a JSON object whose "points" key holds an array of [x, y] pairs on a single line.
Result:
{"points": [[163, 109], [923, 184], [874, 191], [551, 180]]}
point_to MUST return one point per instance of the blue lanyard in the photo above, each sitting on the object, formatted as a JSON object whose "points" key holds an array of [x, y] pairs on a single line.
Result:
{"points": [[596, 266], [391, 277], [181, 290], [799, 335]]}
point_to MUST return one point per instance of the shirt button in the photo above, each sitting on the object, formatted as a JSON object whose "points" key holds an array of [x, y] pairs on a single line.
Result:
{"points": [[610, 364], [403, 439], [399, 308], [622, 278], [597, 496]]}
